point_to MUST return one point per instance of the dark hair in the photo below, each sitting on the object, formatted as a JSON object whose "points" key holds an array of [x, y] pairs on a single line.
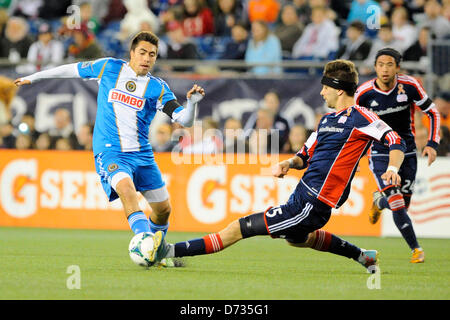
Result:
{"points": [[242, 24], [147, 36], [386, 26], [389, 52], [342, 70], [358, 25]]}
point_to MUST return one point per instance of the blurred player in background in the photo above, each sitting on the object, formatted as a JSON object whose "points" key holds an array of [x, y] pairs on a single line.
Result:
{"points": [[393, 97], [128, 98], [331, 156]]}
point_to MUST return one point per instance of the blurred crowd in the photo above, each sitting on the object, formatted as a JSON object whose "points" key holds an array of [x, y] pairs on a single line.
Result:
{"points": [[265, 132], [256, 31], [48, 33]]}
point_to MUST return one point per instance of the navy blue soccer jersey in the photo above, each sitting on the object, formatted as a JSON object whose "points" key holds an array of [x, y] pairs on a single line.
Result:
{"points": [[396, 107], [332, 153]]}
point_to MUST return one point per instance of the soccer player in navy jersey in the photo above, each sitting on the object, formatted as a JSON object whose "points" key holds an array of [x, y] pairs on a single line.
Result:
{"points": [[393, 97], [128, 98], [331, 155]]}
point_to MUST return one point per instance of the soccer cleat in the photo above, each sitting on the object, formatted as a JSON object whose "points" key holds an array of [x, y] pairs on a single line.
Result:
{"points": [[171, 263], [375, 212], [418, 256], [369, 260], [157, 241], [159, 253]]}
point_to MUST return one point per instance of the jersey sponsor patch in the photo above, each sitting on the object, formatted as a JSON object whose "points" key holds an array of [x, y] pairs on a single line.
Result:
{"points": [[126, 99]]}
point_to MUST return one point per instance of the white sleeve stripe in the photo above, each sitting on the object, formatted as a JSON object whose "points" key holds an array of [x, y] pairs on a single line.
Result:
{"points": [[432, 105], [421, 102], [312, 138], [415, 83], [368, 113], [391, 137]]}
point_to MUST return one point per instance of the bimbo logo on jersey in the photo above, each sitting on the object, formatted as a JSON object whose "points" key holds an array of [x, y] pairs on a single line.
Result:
{"points": [[126, 99]]}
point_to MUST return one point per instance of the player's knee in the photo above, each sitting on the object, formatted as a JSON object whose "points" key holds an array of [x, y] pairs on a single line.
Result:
{"points": [[231, 234], [253, 225], [126, 190], [307, 243], [395, 198], [407, 198], [162, 209]]}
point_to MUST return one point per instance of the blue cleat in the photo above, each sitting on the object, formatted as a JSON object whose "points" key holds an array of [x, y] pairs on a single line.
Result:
{"points": [[369, 260]]}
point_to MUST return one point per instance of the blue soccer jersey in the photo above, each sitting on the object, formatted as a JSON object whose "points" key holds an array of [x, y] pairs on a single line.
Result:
{"points": [[126, 105]]}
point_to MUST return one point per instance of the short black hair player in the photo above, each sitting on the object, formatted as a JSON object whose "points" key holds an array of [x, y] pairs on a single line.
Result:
{"points": [[393, 97]]}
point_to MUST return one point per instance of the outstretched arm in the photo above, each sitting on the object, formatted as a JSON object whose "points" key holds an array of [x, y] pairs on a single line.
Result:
{"points": [[185, 116], [282, 168], [64, 71]]}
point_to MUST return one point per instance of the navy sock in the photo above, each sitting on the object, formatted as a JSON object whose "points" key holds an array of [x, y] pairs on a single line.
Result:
{"points": [[190, 248], [326, 241], [343, 248], [138, 222], [208, 244], [383, 203], [404, 225]]}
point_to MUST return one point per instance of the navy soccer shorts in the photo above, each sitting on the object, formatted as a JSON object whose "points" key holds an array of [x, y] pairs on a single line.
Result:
{"points": [[407, 172], [297, 218]]}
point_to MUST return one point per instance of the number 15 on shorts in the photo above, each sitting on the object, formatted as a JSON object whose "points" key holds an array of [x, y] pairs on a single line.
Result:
{"points": [[273, 212]]}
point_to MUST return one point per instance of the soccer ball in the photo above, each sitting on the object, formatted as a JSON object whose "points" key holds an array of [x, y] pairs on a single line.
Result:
{"points": [[141, 245]]}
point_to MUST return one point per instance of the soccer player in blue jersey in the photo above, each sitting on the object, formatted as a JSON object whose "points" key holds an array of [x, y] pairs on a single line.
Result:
{"points": [[128, 98], [393, 97], [331, 155]]}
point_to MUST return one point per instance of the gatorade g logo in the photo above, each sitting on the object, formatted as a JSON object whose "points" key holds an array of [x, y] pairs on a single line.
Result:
{"points": [[19, 189], [126, 99]]}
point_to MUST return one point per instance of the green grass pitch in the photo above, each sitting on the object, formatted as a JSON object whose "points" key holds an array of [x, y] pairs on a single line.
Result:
{"points": [[34, 264]]}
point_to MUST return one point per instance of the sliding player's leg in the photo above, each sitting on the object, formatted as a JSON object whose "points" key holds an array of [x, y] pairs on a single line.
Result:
{"points": [[298, 227], [301, 228], [322, 240]]}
